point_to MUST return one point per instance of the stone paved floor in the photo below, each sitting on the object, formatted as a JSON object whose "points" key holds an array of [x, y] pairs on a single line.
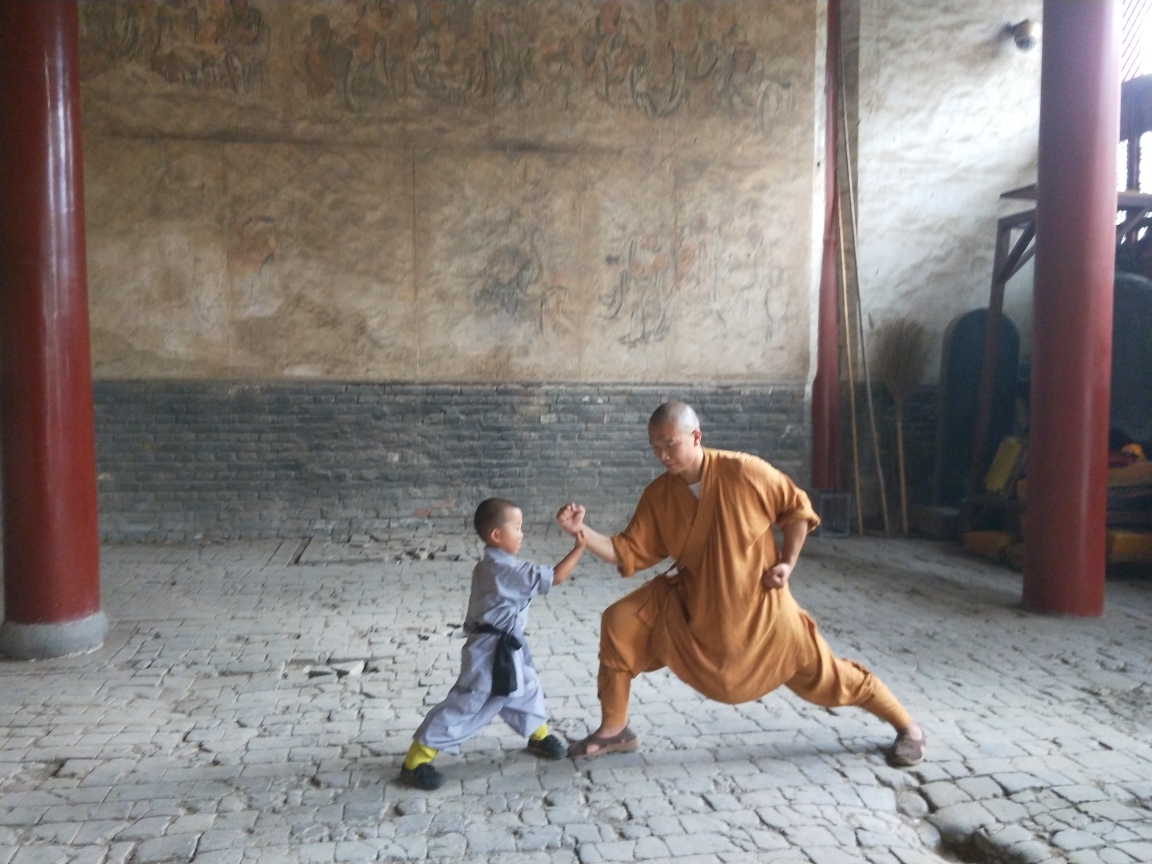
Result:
{"points": [[254, 700]]}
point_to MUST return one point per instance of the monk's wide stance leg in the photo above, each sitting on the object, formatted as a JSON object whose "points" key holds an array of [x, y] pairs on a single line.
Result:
{"points": [[825, 679], [626, 650]]}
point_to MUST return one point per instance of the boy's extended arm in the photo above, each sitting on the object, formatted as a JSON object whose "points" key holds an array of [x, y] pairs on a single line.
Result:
{"points": [[568, 563]]}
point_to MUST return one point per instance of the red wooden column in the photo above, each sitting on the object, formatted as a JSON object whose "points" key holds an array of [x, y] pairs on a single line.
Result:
{"points": [[51, 550], [826, 384], [1072, 308]]}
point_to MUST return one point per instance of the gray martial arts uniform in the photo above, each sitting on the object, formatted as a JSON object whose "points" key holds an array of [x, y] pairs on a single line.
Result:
{"points": [[502, 586]]}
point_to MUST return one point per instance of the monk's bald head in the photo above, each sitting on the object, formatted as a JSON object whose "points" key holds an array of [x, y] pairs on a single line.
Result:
{"points": [[679, 413], [674, 433]]}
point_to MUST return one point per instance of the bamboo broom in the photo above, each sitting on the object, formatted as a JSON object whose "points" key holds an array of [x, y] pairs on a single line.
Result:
{"points": [[901, 359]]}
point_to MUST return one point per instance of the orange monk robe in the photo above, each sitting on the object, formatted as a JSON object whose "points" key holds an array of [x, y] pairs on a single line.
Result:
{"points": [[713, 623]]}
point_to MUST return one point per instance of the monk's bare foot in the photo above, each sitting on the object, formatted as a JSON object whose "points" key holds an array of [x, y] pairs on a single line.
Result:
{"points": [[910, 744]]}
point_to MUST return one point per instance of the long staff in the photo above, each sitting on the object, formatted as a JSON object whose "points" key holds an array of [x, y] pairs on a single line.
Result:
{"points": [[859, 305], [851, 373]]}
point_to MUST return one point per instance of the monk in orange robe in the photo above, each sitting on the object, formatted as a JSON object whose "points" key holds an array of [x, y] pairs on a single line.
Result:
{"points": [[724, 620]]}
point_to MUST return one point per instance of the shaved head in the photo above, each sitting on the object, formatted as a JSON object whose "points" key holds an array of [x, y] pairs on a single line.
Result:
{"points": [[680, 413]]}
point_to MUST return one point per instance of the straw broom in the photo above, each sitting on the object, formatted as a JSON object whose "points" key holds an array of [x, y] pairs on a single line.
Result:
{"points": [[901, 358]]}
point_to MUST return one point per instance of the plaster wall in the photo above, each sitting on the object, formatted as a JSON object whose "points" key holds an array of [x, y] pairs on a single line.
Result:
{"points": [[948, 120], [454, 191]]}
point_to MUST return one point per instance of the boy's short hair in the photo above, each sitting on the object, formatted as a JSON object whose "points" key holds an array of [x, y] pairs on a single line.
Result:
{"points": [[491, 514]]}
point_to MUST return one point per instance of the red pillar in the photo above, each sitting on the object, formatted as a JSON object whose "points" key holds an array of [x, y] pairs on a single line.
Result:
{"points": [[826, 384], [1072, 308], [51, 549]]}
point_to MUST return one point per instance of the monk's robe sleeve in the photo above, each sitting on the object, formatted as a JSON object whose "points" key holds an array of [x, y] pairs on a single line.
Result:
{"points": [[783, 499], [640, 545]]}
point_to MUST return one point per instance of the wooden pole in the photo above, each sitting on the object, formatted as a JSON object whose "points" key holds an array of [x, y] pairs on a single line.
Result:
{"points": [[859, 305], [851, 369], [900, 462]]}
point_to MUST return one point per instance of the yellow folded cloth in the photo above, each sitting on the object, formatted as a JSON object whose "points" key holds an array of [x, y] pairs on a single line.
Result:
{"points": [[988, 544], [1136, 474], [1128, 546]]}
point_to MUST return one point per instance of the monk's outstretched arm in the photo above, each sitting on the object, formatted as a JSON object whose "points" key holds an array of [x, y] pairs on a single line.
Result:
{"points": [[571, 519], [794, 536]]}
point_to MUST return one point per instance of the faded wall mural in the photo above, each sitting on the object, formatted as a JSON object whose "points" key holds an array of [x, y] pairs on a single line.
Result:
{"points": [[450, 190]]}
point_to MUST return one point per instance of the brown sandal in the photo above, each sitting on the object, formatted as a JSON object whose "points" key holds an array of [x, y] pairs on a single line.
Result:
{"points": [[908, 751], [623, 741]]}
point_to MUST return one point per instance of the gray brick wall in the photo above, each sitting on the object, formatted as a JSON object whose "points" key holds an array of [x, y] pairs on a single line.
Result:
{"points": [[188, 459]]}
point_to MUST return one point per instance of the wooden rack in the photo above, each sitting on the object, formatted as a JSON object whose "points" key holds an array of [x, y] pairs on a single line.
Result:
{"points": [[1015, 246]]}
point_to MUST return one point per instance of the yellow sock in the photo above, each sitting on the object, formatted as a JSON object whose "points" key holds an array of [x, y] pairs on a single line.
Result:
{"points": [[542, 732], [418, 754]]}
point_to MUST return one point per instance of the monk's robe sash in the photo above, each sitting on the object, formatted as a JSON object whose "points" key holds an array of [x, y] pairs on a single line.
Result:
{"points": [[504, 678]]}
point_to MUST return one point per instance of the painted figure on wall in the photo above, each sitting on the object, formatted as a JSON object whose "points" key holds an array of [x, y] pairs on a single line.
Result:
{"points": [[743, 87], [109, 36], [368, 72], [210, 45], [555, 309], [252, 267], [657, 82], [322, 63], [512, 284], [642, 295], [716, 271], [509, 275], [698, 270], [447, 61], [697, 49], [509, 56], [606, 51]]}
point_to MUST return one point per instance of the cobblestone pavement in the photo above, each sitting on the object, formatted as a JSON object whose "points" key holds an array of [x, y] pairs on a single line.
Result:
{"points": [[254, 700]]}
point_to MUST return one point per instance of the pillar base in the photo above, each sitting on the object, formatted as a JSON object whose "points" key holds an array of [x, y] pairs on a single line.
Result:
{"points": [[45, 641]]}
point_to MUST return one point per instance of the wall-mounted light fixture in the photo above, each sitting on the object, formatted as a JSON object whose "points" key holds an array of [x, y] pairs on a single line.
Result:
{"points": [[1025, 34]]}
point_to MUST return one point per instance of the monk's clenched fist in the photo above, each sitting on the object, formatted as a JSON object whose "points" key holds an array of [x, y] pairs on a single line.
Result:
{"points": [[570, 518], [776, 577]]}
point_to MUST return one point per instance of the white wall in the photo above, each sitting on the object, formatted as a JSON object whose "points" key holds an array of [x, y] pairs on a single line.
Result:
{"points": [[949, 113]]}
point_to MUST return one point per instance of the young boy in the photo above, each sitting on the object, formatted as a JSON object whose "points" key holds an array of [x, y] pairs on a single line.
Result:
{"points": [[496, 674]]}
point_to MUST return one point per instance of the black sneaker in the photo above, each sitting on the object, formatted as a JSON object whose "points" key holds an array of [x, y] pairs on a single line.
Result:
{"points": [[550, 747], [423, 776]]}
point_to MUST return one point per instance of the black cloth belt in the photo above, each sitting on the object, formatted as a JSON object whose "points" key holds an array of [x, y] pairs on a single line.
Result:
{"points": [[504, 680]]}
